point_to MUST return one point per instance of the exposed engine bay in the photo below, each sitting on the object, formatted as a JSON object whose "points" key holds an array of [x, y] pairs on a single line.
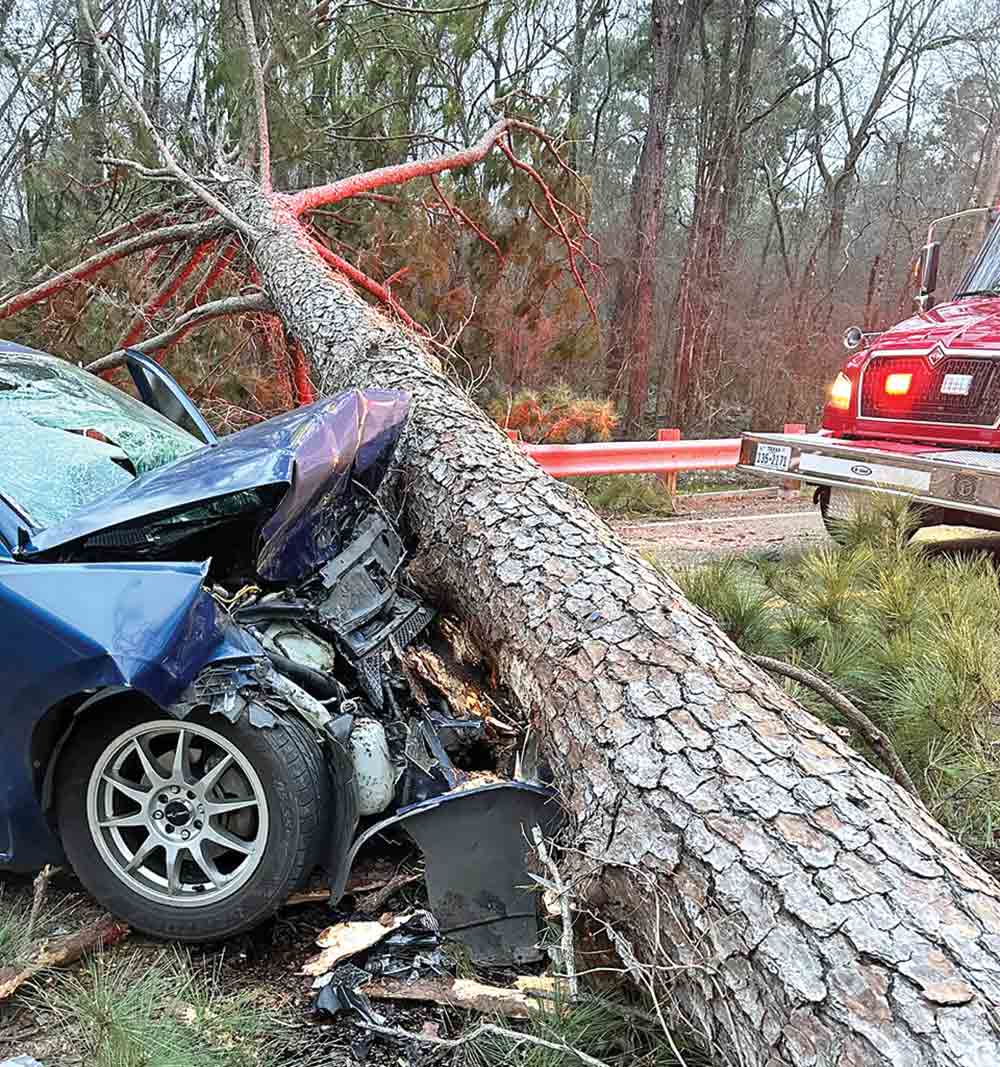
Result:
{"points": [[216, 634], [337, 648]]}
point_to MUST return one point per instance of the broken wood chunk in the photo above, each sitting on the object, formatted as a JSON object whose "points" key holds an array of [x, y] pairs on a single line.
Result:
{"points": [[372, 901], [431, 670], [456, 993], [343, 940], [64, 950]]}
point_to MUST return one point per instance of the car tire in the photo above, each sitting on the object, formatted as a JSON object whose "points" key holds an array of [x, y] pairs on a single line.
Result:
{"points": [[276, 779], [832, 525], [835, 528]]}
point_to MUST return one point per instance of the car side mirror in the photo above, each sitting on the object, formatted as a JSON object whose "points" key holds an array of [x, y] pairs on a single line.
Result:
{"points": [[929, 258], [853, 336], [158, 390]]}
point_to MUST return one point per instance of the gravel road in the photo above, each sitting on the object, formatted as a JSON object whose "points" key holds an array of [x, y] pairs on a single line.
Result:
{"points": [[706, 529]]}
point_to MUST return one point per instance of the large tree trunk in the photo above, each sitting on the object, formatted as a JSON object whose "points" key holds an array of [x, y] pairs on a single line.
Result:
{"points": [[802, 908]]}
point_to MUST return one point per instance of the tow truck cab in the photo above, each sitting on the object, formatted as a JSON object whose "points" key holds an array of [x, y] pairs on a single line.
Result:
{"points": [[915, 410], [934, 377]]}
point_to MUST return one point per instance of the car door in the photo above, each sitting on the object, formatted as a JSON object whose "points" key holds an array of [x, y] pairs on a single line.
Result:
{"points": [[13, 529], [161, 392]]}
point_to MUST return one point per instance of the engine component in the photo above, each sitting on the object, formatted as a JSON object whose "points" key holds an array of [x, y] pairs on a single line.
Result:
{"points": [[296, 643], [374, 772]]}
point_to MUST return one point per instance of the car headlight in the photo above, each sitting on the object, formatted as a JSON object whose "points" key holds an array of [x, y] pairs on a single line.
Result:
{"points": [[840, 392]]}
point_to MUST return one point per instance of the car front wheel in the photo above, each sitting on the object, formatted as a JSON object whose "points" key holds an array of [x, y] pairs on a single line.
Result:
{"points": [[192, 829]]}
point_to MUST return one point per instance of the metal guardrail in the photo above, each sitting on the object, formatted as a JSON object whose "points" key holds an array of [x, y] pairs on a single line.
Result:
{"points": [[667, 456]]}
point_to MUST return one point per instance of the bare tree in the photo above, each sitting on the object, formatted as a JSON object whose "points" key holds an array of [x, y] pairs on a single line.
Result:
{"points": [[629, 347], [889, 38]]}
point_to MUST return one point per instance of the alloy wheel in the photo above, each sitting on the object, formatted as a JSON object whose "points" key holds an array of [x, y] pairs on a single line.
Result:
{"points": [[178, 813]]}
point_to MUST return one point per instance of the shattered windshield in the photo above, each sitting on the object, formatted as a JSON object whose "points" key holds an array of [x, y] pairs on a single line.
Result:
{"points": [[68, 437]]}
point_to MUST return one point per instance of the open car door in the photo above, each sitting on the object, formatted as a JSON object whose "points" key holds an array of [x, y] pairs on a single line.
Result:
{"points": [[13, 529], [161, 392]]}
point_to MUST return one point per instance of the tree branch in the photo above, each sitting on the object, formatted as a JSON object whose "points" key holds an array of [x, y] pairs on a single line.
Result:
{"points": [[225, 255], [516, 1037], [166, 155], [198, 316], [173, 282], [101, 934], [322, 195], [141, 222], [87, 268], [260, 97], [367, 283], [460, 216], [854, 715], [573, 249]]}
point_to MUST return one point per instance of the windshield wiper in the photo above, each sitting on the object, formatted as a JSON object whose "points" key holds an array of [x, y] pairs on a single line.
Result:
{"points": [[978, 292]]}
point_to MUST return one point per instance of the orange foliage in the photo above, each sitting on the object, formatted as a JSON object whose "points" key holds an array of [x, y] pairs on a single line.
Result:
{"points": [[555, 416]]}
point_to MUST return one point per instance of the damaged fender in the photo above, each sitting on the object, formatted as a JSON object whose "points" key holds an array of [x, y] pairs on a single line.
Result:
{"points": [[475, 845], [71, 629]]}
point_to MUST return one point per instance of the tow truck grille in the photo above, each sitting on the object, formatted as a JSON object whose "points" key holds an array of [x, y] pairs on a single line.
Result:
{"points": [[924, 402]]}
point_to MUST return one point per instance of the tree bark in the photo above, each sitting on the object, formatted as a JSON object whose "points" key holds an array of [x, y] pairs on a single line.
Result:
{"points": [[702, 305], [793, 904], [91, 120]]}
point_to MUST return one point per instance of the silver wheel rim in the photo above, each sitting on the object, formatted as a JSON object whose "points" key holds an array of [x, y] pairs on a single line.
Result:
{"points": [[177, 813]]}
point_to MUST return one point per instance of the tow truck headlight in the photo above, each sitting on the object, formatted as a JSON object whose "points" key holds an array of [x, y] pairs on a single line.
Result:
{"points": [[897, 384], [840, 392]]}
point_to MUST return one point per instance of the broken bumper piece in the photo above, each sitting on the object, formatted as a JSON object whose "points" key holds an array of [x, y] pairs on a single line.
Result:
{"points": [[475, 845]]}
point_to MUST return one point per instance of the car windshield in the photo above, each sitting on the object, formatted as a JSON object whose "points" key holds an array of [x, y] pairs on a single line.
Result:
{"points": [[68, 437], [984, 276]]}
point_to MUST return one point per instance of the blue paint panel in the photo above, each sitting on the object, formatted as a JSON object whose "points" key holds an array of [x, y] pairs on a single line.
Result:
{"points": [[70, 628]]}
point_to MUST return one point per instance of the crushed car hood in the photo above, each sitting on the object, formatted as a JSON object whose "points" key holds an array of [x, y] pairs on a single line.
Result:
{"points": [[331, 456], [972, 324]]}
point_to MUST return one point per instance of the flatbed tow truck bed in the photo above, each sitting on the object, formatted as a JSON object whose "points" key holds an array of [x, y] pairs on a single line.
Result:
{"points": [[956, 479]]}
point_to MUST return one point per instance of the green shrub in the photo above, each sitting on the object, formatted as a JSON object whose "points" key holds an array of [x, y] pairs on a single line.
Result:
{"points": [[130, 1011], [909, 635], [626, 494]]}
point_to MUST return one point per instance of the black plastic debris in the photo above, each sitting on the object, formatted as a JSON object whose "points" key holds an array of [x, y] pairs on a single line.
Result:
{"points": [[411, 951], [233, 691], [475, 845], [342, 993]]}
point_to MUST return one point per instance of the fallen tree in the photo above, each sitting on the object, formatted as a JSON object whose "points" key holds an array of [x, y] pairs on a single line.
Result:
{"points": [[755, 876]]}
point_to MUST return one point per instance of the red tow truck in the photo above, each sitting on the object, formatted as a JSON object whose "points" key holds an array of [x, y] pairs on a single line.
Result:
{"points": [[915, 411]]}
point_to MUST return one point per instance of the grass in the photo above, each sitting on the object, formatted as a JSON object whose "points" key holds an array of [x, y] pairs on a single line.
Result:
{"points": [[597, 1026], [15, 944], [626, 494], [132, 1011], [909, 635]]}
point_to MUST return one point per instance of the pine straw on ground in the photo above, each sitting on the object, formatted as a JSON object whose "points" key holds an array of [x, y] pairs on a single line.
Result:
{"points": [[241, 1004]]}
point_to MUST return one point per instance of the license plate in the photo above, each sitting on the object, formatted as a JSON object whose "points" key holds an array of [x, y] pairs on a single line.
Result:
{"points": [[956, 384], [773, 457]]}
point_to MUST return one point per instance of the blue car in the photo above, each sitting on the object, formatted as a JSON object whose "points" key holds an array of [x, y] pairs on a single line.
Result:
{"points": [[197, 704]]}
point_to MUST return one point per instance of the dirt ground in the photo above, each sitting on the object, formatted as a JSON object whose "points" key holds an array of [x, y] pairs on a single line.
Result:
{"points": [[710, 526], [262, 965]]}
